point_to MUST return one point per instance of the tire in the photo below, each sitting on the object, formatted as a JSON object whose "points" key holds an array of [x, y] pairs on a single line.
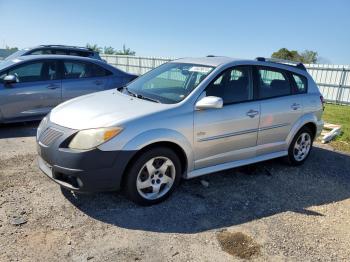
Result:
{"points": [[300, 147], [158, 169]]}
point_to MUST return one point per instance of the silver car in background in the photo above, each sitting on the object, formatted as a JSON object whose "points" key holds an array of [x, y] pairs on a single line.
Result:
{"points": [[31, 85], [184, 119]]}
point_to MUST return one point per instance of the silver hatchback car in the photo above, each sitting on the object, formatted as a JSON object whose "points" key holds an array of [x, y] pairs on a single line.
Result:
{"points": [[184, 119]]}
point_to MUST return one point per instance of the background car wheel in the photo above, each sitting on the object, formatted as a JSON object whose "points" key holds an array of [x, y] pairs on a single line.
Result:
{"points": [[300, 147], [153, 176]]}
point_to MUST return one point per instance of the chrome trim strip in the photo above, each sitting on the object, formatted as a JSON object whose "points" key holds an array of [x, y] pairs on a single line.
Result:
{"points": [[272, 127], [248, 131]]}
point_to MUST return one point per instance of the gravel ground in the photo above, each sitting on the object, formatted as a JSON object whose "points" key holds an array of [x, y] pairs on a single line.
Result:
{"points": [[267, 211]]}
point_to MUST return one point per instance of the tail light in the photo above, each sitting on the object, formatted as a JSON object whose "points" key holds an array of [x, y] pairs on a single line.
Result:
{"points": [[322, 101]]}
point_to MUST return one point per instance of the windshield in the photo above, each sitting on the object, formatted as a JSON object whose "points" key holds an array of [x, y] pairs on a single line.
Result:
{"points": [[16, 54], [169, 83]]}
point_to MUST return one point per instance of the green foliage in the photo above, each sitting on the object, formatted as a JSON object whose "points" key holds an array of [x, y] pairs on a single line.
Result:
{"points": [[125, 51], [108, 50], [94, 47], [12, 49], [307, 56]]}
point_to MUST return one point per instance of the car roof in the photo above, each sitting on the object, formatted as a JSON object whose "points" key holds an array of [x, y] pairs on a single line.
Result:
{"points": [[65, 47], [37, 57], [56, 57], [216, 61], [209, 60]]}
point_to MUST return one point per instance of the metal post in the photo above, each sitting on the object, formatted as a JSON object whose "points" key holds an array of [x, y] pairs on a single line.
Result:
{"points": [[127, 64], [341, 86], [140, 65]]}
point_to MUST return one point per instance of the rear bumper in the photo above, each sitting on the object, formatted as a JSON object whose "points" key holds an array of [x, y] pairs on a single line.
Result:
{"points": [[319, 127], [84, 171]]}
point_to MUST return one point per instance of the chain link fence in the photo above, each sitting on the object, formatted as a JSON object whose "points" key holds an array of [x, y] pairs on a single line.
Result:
{"points": [[333, 80]]}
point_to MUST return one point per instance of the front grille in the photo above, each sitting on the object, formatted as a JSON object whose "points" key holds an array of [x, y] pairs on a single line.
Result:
{"points": [[49, 136]]}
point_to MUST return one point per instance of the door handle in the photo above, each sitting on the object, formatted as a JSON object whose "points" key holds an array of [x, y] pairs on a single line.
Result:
{"points": [[53, 86], [295, 106], [252, 113]]}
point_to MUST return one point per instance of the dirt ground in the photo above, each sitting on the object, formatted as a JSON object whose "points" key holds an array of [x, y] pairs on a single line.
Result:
{"points": [[265, 212]]}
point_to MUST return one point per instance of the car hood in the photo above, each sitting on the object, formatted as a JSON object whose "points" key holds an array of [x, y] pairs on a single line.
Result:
{"points": [[102, 109]]}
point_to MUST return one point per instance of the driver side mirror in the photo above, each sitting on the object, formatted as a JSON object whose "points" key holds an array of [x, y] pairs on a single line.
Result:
{"points": [[10, 79], [210, 102]]}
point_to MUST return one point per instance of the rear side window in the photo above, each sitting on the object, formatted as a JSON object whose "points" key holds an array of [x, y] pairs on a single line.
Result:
{"points": [[273, 83], [301, 84], [97, 71], [75, 70]]}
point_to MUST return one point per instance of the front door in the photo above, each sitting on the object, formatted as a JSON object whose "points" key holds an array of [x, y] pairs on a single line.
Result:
{"points": [[36, 92], [230, 133]]}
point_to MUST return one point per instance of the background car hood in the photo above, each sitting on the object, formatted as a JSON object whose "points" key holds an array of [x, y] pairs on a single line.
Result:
{"points": [[102, 109]]}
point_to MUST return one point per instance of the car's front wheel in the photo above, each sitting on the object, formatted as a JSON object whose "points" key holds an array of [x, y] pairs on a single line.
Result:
{"points": [[300, 147], [153, 176]]}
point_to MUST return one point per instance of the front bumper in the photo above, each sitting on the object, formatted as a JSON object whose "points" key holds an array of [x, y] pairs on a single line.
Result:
{"points": [[86, 171]]}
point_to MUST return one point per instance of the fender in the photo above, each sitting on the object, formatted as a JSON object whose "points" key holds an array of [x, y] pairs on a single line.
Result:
{"points": [[162, 135], [303, 120]]}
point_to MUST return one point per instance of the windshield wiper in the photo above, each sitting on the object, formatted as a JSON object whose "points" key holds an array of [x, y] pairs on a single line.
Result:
{"points": [[138, 95], [148, 98], [120, 89]]}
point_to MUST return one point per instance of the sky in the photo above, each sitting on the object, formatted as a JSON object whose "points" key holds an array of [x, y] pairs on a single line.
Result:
{"points": [[240, 29]]}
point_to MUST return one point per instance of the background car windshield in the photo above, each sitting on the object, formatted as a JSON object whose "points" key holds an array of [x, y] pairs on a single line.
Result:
{"points": [[170, 83], [16, 54]]}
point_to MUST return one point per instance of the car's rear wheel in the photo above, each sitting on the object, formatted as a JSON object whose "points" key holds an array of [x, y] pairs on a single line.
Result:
{"points": [[300, 147], [153, 176]]}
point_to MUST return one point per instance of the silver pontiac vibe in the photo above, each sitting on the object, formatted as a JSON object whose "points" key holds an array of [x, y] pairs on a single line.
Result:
{"points": [[184, 119]]}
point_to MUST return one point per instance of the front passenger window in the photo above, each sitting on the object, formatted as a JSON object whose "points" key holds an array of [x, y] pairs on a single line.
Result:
{"points": [[233, 85], [39, 71]]}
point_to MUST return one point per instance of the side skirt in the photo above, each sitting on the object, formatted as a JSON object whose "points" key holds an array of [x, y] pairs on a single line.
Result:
{"points": [[229, 165]]}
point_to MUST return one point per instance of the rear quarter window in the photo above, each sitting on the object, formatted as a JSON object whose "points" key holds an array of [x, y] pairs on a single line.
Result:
{"points": [[300, 84]]}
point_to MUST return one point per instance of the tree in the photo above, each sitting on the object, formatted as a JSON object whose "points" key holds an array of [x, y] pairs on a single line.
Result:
{"points": [[108, 50], [94, 47], [125, 51], [307, 56], [11, 49]]}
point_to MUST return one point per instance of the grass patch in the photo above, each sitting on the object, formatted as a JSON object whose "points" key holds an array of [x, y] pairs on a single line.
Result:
{"points": [[337, 114]]}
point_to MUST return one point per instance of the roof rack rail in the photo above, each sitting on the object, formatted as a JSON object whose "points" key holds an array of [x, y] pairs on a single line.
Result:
{"points": [[69, 46], [281, 61], [211, 55]]}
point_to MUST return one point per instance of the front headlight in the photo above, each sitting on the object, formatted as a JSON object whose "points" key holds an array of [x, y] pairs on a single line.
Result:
{"points": [[91, 138]]}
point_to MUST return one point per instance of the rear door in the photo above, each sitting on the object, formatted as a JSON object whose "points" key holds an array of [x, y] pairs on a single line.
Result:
{"points": [[81, 77], [37, 91], [230, 133], [280, 108]]}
